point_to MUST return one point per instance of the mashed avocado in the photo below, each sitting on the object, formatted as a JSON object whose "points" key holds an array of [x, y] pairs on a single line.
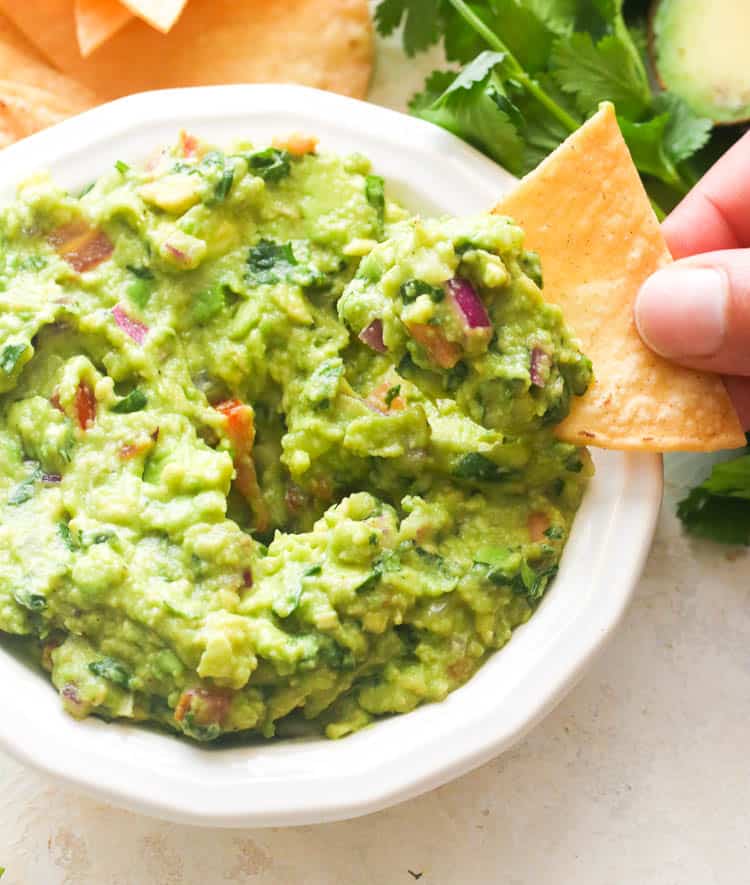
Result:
{"points": [[268, 444]]}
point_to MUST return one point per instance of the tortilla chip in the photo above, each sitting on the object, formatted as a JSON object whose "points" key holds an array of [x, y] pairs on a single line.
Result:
{"points": [[25, 110], [21, 62], [32, 94], [97, 21], [160, 14], [322, 43], [585, 211]]}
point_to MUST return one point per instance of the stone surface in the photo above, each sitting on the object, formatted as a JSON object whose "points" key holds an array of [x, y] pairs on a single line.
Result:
{"points": [[639, 776]]}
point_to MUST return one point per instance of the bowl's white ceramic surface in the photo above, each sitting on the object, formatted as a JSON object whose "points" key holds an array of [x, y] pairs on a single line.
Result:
{"points": [[306, 781]]}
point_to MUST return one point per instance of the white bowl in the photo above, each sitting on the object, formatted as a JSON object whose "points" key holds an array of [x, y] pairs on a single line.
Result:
{"points": [[314, 780]]}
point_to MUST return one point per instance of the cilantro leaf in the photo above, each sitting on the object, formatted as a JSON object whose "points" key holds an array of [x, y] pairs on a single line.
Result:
{"points": [[269, 261], [66, 536], [391, 394], [34, 602], [639, 35], [595, 72], [223, 185], [560, 60], [461, 41], [435, 85], [475, 107], [24, 491], [476, 466], [270, 164], [557, 15], [658, 145], [646, 142], [143, 273], [135, 401], [526, 31], [375, 196], [685, 132], [541, 132], [413, 288], [726, 520], [111, 670], [10, 355], [422, 22], [719, 508]]}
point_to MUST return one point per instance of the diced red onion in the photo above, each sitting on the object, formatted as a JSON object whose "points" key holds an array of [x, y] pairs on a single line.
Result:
{"points": [[372, 336], [176, 253], [51, 478], [73, 700], [469, 304], [137, 331], [540, 366]]}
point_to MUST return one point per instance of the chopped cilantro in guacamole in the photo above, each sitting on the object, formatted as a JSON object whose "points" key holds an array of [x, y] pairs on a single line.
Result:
{"points": [[270, 446]]}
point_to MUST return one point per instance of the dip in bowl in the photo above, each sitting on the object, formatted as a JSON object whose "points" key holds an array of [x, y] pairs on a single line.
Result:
{"points": [[274, 446]]}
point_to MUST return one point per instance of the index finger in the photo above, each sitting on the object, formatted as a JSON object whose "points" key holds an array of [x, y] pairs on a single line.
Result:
{"points": [[714, 215]]}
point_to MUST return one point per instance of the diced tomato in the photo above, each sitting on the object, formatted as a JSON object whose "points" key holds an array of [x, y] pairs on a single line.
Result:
{"points": [[240, 424], [55, 400], [298, 145], [208, 706], [85, 404], [537, 524], [188, 145], [83, 247], [133, 450], [241, 432], [377, 399], [441, 351]]}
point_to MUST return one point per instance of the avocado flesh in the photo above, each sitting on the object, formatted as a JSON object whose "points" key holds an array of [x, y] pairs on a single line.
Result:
{"points": [[700, 52]]}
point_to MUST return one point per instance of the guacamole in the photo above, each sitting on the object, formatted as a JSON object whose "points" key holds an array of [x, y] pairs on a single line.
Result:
{"points": [[271, 448]]}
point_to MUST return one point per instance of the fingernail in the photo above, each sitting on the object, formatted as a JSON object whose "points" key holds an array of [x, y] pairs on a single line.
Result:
{"points": [[681, 311]]}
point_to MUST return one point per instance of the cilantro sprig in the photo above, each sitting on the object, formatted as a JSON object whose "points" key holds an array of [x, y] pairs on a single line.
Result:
{"points": [[719, 508], [534, 70]]}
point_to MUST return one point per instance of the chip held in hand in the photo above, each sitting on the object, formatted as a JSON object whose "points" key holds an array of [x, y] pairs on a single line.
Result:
{"points": [[586, 213]]}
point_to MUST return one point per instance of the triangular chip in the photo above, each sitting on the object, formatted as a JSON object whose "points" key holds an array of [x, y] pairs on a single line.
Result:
{"points": [[20, 61], [323, 43], [32, 94], [26, 109], [586, 213], [97, 21], [160, 14]]}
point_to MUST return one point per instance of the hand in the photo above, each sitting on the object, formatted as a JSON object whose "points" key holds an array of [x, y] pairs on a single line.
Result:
{"points": [[697, 311]]}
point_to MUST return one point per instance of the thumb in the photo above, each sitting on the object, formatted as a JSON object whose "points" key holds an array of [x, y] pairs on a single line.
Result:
{"points": [[697, 312]]}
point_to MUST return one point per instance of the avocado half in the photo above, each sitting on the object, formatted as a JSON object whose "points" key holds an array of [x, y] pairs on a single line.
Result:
{"points": [[700, 50]]}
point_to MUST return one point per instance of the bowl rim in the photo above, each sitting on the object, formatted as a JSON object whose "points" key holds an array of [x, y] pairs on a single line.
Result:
{"points": [[343, 796]]}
